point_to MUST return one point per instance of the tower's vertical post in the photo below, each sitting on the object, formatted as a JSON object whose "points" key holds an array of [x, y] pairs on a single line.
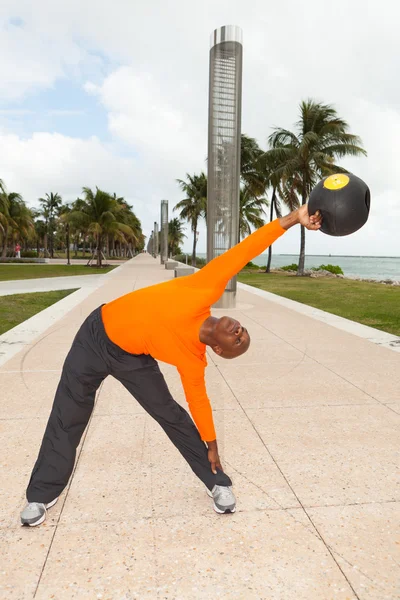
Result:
{"points": [[164, 232], [224, 137]]}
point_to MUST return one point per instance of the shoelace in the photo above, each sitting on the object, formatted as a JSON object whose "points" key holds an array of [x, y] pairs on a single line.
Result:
{"points": [[33, 505], [224, 492]]}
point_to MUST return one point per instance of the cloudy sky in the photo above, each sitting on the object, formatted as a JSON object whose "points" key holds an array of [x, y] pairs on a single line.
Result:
{"points": [[115, 94]]}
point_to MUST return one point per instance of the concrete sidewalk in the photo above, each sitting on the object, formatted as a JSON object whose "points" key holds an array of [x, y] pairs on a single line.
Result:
{"points": [[308, 424], [48, 284]]}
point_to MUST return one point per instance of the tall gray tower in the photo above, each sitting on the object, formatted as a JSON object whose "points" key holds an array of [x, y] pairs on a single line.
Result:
{"points": [[150, 244], [155, 240], [224, 133], [164, 232]]}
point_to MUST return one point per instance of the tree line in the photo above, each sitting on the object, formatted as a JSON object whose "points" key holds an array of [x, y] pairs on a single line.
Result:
{"points": [[286, 173], [102, 224]]}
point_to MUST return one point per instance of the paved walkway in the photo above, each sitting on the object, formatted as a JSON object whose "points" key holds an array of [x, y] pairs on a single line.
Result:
{"points": [[308, 423], [48, 284]]}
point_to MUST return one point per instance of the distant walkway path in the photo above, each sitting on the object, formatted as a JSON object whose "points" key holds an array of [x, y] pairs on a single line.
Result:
{"points": [[48, 284]]}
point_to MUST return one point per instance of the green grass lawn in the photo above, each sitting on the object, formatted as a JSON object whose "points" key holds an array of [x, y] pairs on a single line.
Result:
{"points": [[17, 308], [25, 271], [372, 304]]}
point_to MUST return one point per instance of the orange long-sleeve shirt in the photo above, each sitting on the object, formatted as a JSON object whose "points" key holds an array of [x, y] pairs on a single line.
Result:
{"points": [[164, 320]]}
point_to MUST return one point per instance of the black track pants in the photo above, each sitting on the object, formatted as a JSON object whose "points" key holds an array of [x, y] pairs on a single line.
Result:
{"points": [[91, 359]]}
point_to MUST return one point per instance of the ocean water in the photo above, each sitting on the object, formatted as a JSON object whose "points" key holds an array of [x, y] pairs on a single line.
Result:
{"points": [[366, 267]]}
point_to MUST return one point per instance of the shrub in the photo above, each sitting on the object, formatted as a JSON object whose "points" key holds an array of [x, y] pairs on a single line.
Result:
{"points": [[29, 254], [335, 269], [181, 258], [16, 260], [200, 262], [292, 267], [251, 265]]}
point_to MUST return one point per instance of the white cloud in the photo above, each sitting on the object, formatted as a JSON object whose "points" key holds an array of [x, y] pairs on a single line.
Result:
{"points": [[156, 97], [141, 114], [52, 162]]}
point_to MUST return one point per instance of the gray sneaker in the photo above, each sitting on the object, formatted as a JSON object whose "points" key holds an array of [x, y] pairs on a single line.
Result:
{"points": [[224, 500], [34, 513]]}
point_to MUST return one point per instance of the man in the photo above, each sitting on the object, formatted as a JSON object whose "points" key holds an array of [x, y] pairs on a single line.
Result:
{"points": [[170, 322]]}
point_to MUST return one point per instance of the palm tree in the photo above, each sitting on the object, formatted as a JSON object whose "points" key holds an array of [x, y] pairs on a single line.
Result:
{"points": [[50, 206], [3, 206], [4, 215], [16, 220], [127, 216], [39, 229], [175, 236], [305, 156], [252, 172], [79, 224], [283, 192], [98, 215], [65, 222], [194, 206], [251, 212]]}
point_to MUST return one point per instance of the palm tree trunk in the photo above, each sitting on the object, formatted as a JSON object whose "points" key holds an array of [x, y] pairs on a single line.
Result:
{"points": [[51, 237], [271, 216], [300, 270], [5, 239], [194, 225], [108, 246], [99, 250]]}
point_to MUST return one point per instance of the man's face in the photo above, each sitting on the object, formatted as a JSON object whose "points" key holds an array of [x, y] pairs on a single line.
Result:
{"points": [[232, 339]]}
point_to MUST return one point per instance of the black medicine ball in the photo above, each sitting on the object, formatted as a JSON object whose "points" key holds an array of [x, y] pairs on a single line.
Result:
{"points": [[343, 201]]}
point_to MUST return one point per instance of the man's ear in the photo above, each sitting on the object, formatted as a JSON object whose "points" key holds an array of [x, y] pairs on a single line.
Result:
{"points": [[217, 349]]}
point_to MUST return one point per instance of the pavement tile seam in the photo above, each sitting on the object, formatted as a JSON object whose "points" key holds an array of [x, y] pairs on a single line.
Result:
{"points": [[65, 496], [154, 516], [154, 519], [215, 410], [171, 516], [153, 535], [305, 355], [353, 384], [332, 551], [354, 568], [376, 336], [316, 532], [310, 527]]}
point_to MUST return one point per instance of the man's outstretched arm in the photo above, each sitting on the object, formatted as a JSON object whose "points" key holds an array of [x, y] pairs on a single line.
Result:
{"points": [[218, 271], [200, 409]]}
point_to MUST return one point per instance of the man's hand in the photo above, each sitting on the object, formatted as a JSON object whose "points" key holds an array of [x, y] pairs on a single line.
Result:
{"points": [[213, 456], [312, 222], [301, 216]]}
